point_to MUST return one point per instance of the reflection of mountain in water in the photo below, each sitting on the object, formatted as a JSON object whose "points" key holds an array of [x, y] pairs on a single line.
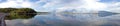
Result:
{"points": [[17, 16], [100, 13], [105, 13], [67, 20]]}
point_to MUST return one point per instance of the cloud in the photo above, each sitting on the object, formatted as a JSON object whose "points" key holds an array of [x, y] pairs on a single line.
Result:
{"points": [[113, 7], [26, 4], [61, 5], [15, 3], [89, 5], [21, 4]]}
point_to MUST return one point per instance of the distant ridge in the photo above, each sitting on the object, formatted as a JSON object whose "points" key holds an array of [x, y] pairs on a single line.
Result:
{"points": [[105, 13]]}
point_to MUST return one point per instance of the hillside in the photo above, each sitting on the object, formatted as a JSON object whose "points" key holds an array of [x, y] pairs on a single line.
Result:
{"points": [[18, 13]]}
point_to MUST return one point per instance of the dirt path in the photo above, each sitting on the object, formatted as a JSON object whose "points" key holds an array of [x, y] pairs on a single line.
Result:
{"points": [[2, 19]]}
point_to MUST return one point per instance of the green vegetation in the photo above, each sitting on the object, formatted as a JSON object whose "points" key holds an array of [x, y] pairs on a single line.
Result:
{"points": [[18, 13]]}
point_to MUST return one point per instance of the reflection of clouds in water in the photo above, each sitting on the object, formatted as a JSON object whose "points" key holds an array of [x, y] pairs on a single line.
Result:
{"points": [[84, 19], [69, 20], [94, 19], [18, 22], [23, 22]]}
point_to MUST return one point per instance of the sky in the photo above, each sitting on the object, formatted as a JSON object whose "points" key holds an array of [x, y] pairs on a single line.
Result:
{"points": [[60, 5]]}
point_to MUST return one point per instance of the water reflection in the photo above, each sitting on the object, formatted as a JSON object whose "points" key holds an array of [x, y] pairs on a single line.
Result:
{"points": [[67, 20], [19, 16], [105, 13]]}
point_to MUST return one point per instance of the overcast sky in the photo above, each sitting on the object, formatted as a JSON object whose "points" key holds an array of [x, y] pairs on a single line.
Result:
{"points": [[50, 5]]}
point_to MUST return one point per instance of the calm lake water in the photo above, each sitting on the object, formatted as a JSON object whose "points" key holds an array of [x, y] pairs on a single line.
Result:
{"points": [[67, 20]]}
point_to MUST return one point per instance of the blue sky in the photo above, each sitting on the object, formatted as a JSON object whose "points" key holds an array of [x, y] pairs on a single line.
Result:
{"points": [[109, 1], [60, 5]]}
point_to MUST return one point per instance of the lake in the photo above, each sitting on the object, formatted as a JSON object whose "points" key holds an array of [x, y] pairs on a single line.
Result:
{"points": [[67, 20]]}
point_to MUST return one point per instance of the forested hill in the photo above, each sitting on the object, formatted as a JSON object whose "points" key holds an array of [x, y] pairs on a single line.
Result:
{"points": [[25, 10], [18, 13]]}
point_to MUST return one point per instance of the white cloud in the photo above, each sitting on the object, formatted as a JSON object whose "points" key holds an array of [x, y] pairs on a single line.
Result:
{"points": [[26, 4], [15, 3], [94, 5], [8, 4], [113, 7], [90, 5], [50, 5]]}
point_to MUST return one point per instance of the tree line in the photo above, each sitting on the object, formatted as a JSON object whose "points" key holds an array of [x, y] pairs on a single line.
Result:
{"points": [[21, 13]]}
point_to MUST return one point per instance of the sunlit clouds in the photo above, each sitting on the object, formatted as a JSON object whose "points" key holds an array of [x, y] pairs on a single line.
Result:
{"points": [[14, 4], [51, 5]]}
